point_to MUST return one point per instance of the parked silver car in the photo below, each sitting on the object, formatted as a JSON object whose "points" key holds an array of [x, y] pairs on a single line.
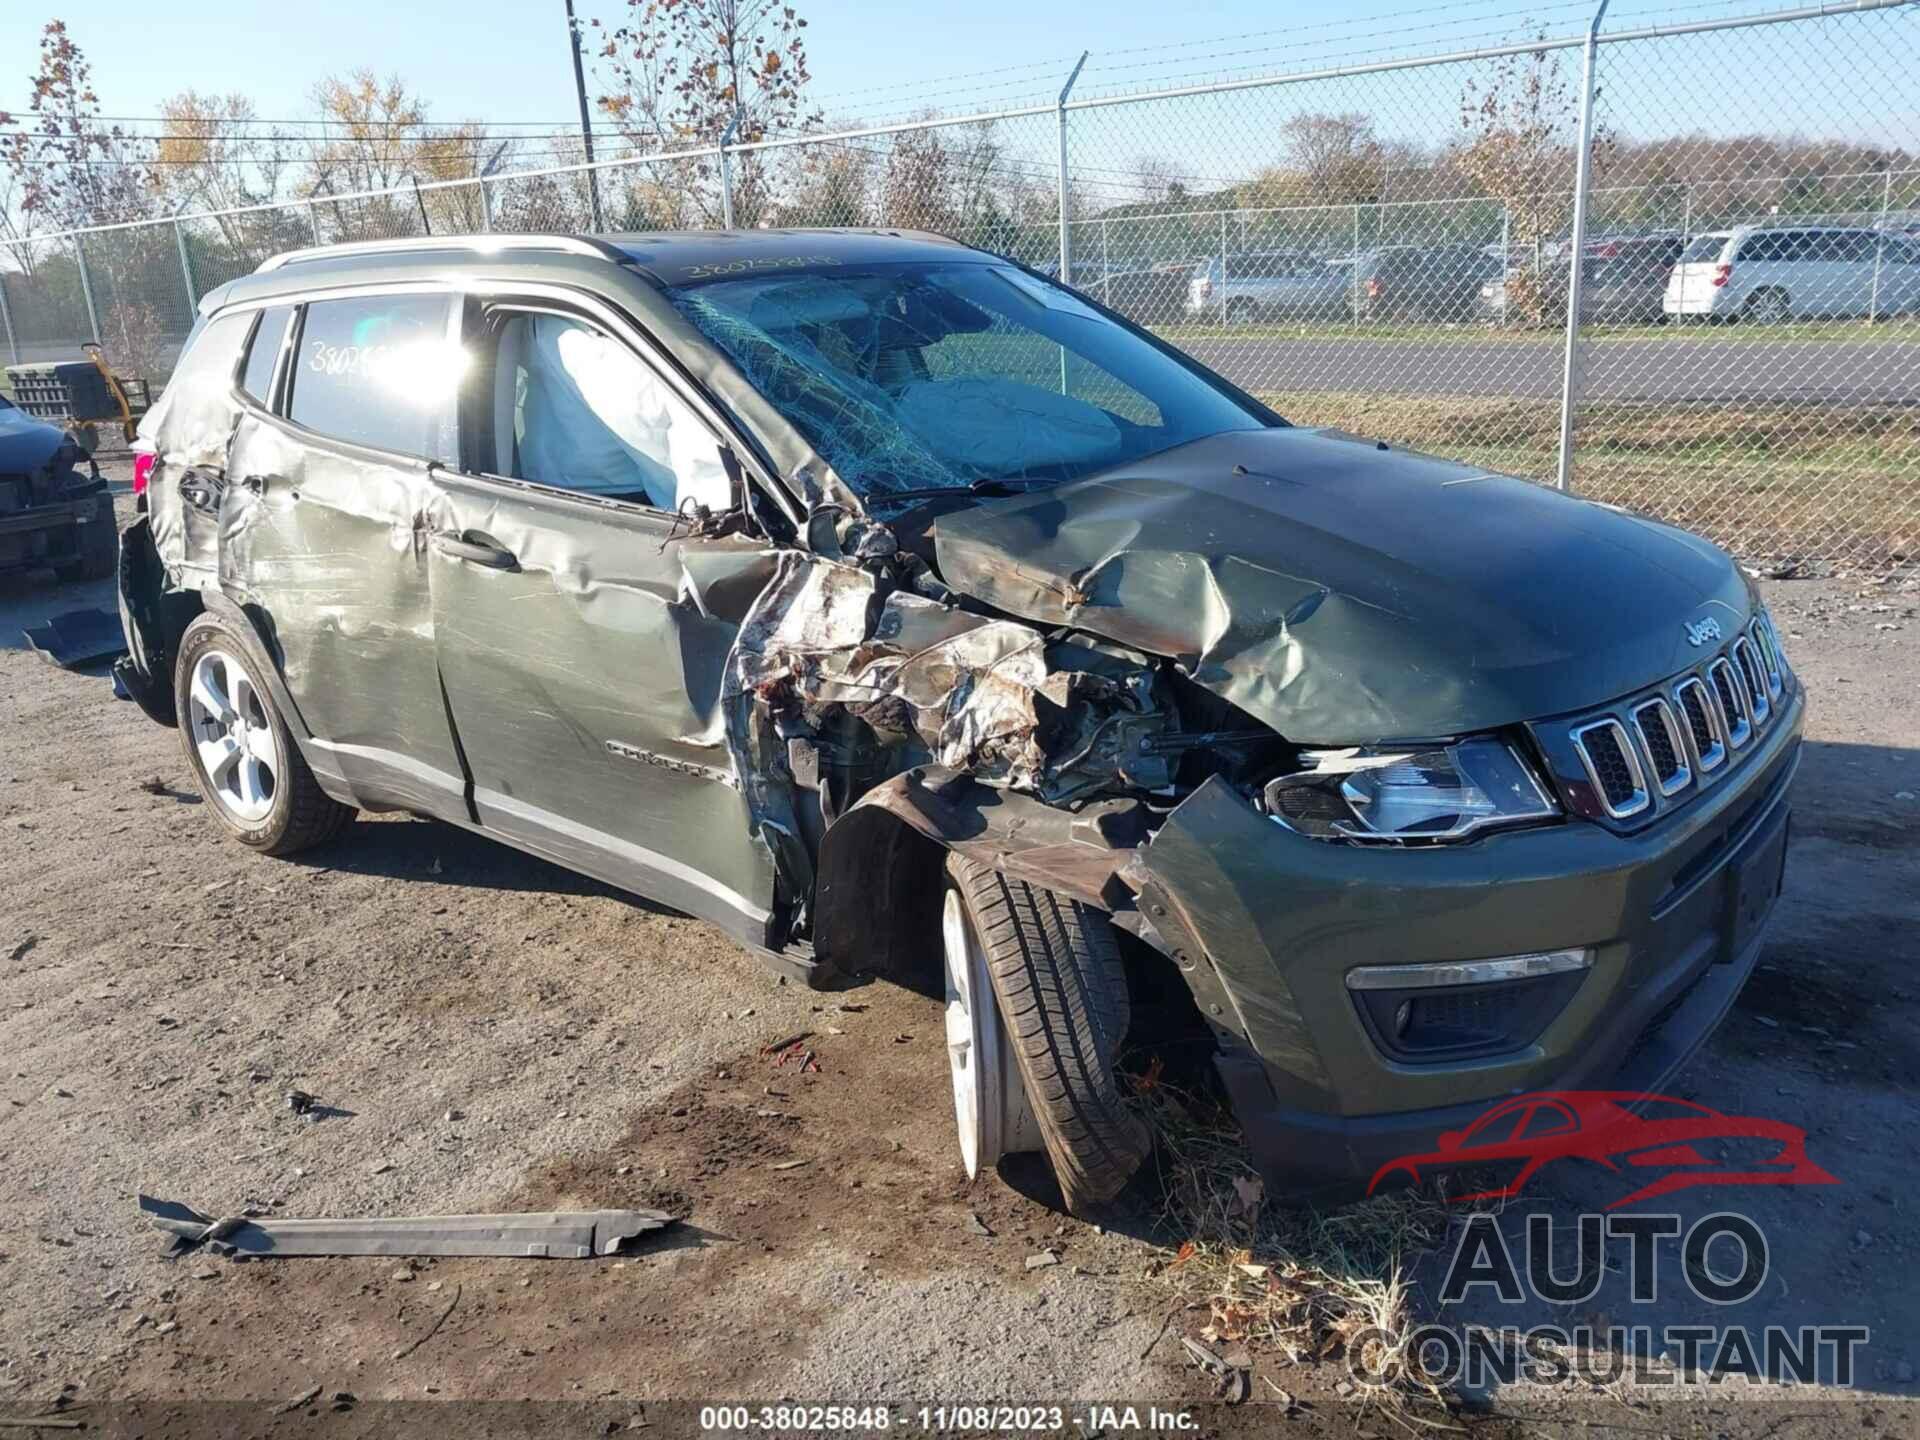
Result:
{"points": [[1268, 285], [1778, 273], [1624, 283]]}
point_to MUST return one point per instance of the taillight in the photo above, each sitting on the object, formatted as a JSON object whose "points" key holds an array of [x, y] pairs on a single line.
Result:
{"points": [[1373, 288], [1722, 274], [142, 472]]}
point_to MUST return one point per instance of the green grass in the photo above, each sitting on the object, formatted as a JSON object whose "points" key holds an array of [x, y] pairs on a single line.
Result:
{"points": [[1905, 330], [1767, 481]]}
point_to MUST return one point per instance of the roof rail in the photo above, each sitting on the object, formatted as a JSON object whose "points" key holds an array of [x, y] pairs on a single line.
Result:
{"points": [[482, 244]]}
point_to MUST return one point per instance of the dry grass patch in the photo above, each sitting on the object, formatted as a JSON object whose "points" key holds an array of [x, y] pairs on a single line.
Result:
{"points": [[1300, 1283]]}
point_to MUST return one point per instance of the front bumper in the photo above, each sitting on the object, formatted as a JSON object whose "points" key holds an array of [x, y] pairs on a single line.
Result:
{"points": [[1265, 924]]}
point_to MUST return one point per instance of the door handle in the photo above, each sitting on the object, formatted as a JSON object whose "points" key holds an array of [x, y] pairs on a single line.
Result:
{"points": [[481, 551]]}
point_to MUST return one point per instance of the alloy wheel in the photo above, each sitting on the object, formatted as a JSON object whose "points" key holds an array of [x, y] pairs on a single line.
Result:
{"points": [[233, 737], [989, 1099]]}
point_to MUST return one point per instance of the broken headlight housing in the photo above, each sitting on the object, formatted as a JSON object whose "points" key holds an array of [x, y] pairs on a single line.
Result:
{"points": [[1423, 794]]}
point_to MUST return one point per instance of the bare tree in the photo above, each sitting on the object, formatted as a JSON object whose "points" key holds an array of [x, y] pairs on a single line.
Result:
{"points": [[680, 71], [1519, 121], [72, 168], [212, 155], [1156, 178], [1337, 158]]}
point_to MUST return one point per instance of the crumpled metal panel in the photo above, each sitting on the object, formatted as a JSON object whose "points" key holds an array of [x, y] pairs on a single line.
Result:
{"points": [[332, 547], [1342, 593]]}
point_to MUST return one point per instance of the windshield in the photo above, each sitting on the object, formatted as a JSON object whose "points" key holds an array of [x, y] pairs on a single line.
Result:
{"points": [[936, 376]]}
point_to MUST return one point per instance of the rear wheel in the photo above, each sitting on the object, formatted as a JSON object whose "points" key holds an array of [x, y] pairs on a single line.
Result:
{"points": [[240, 750], [1055, 970], [1767, 307]]}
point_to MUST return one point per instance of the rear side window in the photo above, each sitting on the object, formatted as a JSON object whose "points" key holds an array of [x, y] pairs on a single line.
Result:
{"points": [[378, 371], [212, 352], [257, 378], [1702, 249]]}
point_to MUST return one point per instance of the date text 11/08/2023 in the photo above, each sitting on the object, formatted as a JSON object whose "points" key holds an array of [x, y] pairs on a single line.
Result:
{"points": [[1086, 1419]]}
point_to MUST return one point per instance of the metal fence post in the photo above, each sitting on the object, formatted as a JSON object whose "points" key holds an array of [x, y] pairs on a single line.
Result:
{"points": [[86, 289], [1506, 260], [486, 208], [313, 219], [1582, 179], [1880, 244], [1106, 265], [1060, 125], [1353, 270], [186, 268], [1223, 267], [726, 172], [6, 318]]}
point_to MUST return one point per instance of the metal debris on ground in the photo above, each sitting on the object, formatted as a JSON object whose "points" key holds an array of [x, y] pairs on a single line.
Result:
{"points": [[551, 1235], [977, 1226], [1042, 1260], [77, 637], [1231, 1370], [299, 1102]]}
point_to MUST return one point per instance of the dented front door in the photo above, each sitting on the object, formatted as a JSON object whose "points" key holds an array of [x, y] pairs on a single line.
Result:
{"points": [[583, 665]]}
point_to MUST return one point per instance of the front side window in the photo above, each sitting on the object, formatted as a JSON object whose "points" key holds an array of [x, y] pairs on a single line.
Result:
{"points": [[575, 409], [936, 375], [379, 370]]}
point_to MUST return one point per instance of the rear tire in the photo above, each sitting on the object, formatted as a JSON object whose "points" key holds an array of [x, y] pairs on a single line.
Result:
{"points": [[1056, 971], [259, 785], [1767, 307]]}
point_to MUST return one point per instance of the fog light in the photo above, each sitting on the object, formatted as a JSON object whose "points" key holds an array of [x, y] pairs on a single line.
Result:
{"points": [[1455, 1010]]}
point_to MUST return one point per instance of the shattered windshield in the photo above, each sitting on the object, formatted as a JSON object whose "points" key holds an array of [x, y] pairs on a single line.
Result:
{"points": [[939, 376]]}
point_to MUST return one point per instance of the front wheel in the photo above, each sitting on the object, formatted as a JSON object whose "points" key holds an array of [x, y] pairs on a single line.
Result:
{"points": [[240, 750], [1055, 970]]}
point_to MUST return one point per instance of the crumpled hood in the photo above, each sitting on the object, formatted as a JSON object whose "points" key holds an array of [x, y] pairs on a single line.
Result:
{"points": [[26, 444], [1345, 593]]}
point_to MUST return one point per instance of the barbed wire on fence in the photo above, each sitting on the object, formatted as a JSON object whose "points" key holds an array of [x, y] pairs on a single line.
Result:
{"points": [[1388, 247]]}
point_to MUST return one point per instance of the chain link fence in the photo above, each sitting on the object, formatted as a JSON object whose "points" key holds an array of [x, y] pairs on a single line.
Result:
{"points": [[1727, 338]]}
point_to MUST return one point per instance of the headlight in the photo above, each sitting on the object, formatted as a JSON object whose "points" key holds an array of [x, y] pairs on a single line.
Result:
{"points": [[1446, 792]]}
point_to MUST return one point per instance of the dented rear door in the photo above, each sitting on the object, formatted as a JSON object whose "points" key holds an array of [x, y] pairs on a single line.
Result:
{"points": [[323, 534]]}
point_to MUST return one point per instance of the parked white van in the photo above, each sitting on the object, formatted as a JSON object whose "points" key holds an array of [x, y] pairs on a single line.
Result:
{"points": [[1773, 274]]}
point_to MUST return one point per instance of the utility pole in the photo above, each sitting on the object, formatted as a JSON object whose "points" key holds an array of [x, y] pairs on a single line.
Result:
{"points": [[586, 122]]}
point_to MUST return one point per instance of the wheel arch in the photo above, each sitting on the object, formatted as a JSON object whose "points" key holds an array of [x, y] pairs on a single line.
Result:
{"points": [[878, 880]]}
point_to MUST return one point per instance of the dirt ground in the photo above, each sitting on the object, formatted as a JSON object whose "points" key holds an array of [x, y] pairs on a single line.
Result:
{"points": [[486, 1032]]}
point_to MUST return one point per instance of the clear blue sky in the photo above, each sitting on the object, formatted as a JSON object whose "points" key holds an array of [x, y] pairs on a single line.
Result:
{"points": [[504, 62]]}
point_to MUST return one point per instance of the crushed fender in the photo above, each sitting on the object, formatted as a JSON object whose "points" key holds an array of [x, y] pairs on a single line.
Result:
{"points": [[554, 1235]]}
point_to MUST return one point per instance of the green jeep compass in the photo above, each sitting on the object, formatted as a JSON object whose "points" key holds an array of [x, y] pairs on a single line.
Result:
{"points": [[884, 602]]}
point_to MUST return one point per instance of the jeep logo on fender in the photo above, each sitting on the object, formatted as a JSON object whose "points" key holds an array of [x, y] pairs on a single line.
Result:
{"points": [[1707, 629]]}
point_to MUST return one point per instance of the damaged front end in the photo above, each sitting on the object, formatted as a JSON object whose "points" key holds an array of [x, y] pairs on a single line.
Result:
{"points": [[55, 510]]}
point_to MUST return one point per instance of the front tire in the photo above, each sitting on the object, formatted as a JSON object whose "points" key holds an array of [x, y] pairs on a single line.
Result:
{"points": [[1056, 972], [239, 748]]}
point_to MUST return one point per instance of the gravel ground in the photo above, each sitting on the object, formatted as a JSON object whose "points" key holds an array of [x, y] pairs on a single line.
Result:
{"points": [[486, 1032]]}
